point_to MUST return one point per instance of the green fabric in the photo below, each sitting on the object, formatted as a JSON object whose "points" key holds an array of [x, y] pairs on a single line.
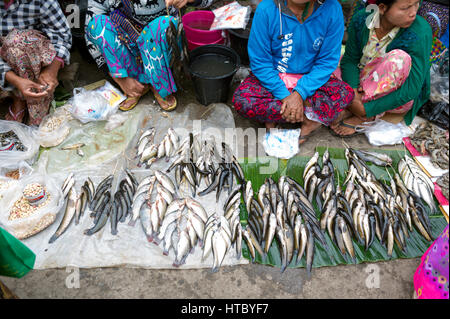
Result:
{"points": [[416, 41], [16, 259]]}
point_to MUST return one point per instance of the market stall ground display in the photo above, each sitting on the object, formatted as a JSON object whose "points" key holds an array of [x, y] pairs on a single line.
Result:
{"points": [[88, 232], [328, 252]]}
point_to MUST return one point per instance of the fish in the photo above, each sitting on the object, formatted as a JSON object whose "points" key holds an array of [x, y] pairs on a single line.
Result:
{"points": [[165, 181], [69, 214], [72, 146]]}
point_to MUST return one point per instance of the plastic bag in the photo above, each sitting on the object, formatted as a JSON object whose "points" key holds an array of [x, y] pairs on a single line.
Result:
{"points": [[16, 170], [88, 106], [436, 113], [115, 121], [386, 133], [25, 134], [231, 16], [439, 86], [54, 128], [42, 217], [281, 143], [95, 105]]}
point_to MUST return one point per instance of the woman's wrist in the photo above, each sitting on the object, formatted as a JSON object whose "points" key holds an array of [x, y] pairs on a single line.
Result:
{"points": [[12, 78]]}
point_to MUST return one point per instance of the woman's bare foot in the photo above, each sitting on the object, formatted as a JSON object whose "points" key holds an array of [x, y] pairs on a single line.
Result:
{"points": [[343, 130], [345, 114], [308, 127]]}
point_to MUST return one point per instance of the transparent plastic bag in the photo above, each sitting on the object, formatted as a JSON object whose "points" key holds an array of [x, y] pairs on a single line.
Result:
{"points": [[42, 217], [231, 16], [88, 106], [54, 128], [115, 121], [386, 133], [26, 136], [439, 86], [16, 170]]}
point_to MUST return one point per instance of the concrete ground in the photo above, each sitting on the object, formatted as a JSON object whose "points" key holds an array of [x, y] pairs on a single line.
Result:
{"points": [[244, 281]]}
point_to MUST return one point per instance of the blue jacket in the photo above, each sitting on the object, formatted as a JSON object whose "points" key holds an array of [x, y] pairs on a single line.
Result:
{"points": [[312, 48]]}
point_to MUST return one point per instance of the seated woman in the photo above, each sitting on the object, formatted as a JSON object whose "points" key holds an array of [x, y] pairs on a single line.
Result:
{"points": [[387, 63], [35, 44], [294, 47], [127, 38]]}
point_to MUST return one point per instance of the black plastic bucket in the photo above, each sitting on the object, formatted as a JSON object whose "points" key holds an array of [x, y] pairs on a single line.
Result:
{"points": [[211, 84]]}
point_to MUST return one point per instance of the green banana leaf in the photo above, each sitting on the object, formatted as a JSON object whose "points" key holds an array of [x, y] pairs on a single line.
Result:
{"points": [[255, 170]]}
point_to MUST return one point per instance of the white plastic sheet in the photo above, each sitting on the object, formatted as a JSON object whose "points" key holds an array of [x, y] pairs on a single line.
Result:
{"points": [[129, 248]]}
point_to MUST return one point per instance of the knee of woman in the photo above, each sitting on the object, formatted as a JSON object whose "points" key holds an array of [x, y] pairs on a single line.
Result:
{"points": [[100, 19], [401, 55], [348, 93]]}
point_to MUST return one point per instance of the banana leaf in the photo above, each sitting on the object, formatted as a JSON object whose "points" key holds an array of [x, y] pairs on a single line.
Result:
{"points": [[255, 170]]}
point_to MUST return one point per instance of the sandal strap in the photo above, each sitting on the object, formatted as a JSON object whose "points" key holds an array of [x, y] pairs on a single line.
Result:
{"points": [[15, 115], [357, 128]]}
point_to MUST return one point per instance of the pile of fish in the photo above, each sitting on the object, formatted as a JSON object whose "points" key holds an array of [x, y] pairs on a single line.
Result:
{"points": [[443, 184], [430, 139], [9, 141], [187, 174], [417, 181], [148, 152], [100, 201], [335, 210], [283, 213], [219, 170], [387, 212]]}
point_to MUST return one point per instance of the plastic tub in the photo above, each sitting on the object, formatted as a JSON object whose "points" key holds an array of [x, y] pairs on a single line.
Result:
{"points": [[196, 26], [192, 45], [212, 82]]}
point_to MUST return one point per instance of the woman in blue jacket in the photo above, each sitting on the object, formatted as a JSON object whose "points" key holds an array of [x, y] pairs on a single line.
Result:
{"points": [[294, 47]]}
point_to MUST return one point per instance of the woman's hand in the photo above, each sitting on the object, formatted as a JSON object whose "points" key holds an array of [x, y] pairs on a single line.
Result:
{"points": [[292, 108], [30, 90], [178, 3], [49, 76]]}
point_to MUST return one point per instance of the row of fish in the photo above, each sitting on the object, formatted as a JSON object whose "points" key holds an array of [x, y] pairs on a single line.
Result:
{"points": [[100, 201], [282, 212], [432, 140]]}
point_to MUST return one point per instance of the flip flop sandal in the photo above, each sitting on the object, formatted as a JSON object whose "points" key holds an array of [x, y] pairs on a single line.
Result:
{"points": [[135, 101], [170, 108], [359, 129], [15, 116]]}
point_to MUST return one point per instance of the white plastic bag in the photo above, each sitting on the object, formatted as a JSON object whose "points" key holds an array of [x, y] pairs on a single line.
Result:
{"points": [[54, 128], [42, 217], [95, 105], [26, 137], [88, 106], [231, 16], [115, 121], [386, 133], [281, 143]]}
